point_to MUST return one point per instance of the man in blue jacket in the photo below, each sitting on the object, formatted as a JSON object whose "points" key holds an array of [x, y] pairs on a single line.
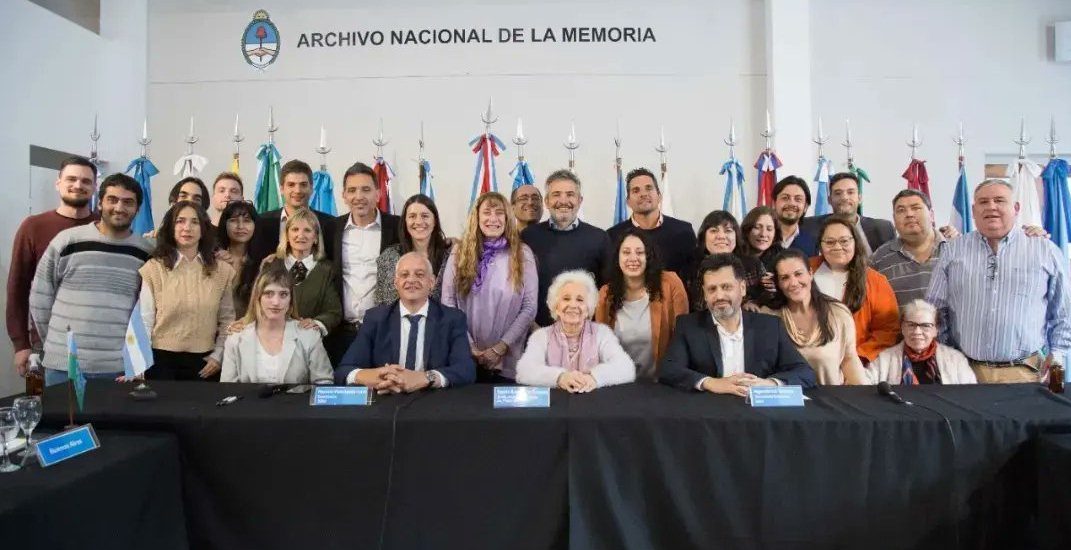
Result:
{"points": [[412, 344]]}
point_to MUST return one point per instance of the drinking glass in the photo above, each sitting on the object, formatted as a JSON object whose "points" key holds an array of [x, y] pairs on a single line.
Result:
{"points": [[28, 414], [9, 430]]}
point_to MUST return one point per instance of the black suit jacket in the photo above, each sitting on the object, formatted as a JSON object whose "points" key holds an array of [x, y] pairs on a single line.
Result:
{"points": [[388, 224], [266, 234], [695, 352], [446, 343], [876, 231]]}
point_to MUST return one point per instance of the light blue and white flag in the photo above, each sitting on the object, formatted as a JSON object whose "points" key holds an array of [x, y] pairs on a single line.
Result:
{"points": [[821, 187], [961, 203], [137, 349], [426, 188], [735, 201]]}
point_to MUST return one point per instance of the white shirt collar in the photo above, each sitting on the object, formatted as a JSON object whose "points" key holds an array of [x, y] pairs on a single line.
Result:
{"points": [[374, 225], [309, 261], [180, 258], [570, 227], [737, 335], [661, 218], [422, 311]]}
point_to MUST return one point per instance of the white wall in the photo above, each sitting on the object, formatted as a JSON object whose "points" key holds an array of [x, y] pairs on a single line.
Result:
{"points": [[705, 68], [57, 75], [888, 63]]}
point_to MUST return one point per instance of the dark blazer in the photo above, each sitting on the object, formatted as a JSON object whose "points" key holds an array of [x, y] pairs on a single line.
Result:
{"points": [[388, 224], [695, 352], [806, 240], [877, 231], [446, 343], [266, 234]]}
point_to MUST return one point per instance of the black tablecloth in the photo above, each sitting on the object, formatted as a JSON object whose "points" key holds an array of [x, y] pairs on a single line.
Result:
{"points": [[126, 494], [1054, 490], [636, 466]]}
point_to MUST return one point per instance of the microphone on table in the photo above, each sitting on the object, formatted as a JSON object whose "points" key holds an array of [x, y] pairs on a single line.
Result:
{"points": [[886, 390], [268, 390]]}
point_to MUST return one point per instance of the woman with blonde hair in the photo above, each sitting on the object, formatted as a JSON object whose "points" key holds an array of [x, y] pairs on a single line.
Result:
{"points": [[491, 276], [273, 348], [301, 253]]}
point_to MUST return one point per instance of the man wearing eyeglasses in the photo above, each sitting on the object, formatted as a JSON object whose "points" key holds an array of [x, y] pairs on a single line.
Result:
{"points": [[527, 204], [1002, 297]]}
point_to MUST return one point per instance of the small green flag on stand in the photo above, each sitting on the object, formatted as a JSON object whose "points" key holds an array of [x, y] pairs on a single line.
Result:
{"points": [[267, 194], [74, 374]]}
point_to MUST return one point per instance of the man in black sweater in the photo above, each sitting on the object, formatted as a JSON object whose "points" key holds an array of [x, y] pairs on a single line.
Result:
{"points": [[674, 239], [564, 242]]}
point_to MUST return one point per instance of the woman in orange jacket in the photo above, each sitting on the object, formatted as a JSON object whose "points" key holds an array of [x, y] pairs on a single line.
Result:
{"points": [[841, 271], [641, 302]]}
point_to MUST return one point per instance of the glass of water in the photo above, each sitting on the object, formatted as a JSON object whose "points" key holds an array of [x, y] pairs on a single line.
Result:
{"points": [[9, 430], [28, 414]]}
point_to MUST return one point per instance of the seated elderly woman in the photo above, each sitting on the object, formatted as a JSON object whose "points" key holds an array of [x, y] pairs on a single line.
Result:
{"points": [[575, 353], [920, 359], [273, 348]]}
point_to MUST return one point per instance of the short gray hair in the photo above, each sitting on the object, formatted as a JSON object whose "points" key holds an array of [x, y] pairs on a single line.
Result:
{"points": [[994, 181], [562, 174], [427, 262], [580, 277], [921, 305]]}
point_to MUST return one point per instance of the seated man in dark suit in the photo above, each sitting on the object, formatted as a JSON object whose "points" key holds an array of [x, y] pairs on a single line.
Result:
{"points": [[726, 350], [413, 343], [295, 181], [845, 198]]}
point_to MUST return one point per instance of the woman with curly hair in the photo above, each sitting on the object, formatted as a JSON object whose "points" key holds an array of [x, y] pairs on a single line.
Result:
{"points": [[491, 276], [641, 302]]}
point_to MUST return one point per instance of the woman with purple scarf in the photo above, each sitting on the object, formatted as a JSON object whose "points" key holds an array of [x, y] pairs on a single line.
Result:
{"points": [[491, 276], [575, 354]]}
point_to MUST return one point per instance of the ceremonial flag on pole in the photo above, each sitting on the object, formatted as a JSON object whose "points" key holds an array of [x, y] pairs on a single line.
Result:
{"points": [[323, 192], [137, 349], [426, 188], [863, 177], [190, 165], [143, 171], [916, 176], [385, 179], [1024, 176], [621, 202], [821, 187], [267, 193], [767, 165], [73, 372], [735, 201], [961, 203], [667, 196], [93, 206], [522, 175], [1057, 203], [234, 164], [487, 146]]}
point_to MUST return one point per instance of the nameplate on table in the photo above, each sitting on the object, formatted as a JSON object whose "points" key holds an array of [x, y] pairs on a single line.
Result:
{"points": [[333, 396], [776, 396], [69, 444], [518, 397]]}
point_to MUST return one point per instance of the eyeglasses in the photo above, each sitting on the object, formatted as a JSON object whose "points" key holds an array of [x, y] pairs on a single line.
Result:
{"points": [[991, 267], [843, 243], [912, 327]]}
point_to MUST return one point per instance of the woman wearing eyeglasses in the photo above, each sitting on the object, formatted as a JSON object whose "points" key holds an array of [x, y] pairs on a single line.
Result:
{"points": [[920, 359], [842, 272]]}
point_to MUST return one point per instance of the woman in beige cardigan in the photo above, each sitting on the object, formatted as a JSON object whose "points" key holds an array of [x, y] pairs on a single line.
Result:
{"points": [[919, 358], [641, 302], [821, 328]]}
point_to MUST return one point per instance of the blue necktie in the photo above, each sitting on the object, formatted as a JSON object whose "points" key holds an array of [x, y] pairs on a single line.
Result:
{"points": [[410, 348]]}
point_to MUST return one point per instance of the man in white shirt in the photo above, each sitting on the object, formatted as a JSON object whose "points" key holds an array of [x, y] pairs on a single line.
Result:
{"points": [[412, 344], [361, 235], [726, 350]]}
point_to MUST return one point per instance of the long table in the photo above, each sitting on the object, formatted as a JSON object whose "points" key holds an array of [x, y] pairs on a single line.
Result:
{"points": [[637, 466], [124, 495]]}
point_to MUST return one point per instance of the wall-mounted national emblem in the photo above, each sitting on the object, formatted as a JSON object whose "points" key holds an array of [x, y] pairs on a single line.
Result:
{"points": [[260, 41]]}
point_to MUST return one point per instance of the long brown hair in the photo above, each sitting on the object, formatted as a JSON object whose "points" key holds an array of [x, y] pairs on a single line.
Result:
{"points": [[167, 247], [855, 288], [822, 304], [470, 249]]}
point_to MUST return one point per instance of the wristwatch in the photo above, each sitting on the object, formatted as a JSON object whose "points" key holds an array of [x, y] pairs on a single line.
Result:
{"points": [[431, 379]]}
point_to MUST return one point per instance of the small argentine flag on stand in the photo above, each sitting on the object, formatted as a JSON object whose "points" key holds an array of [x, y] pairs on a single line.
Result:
{"points": [[137, 349]]}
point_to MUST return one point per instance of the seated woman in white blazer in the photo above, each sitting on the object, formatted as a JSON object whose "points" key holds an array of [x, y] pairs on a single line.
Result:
{"points": [[919, 358], [273, 348], [575, 354]]}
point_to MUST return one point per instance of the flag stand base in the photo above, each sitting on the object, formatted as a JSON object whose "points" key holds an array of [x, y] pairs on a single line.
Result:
{"points": [[142, 392]]}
